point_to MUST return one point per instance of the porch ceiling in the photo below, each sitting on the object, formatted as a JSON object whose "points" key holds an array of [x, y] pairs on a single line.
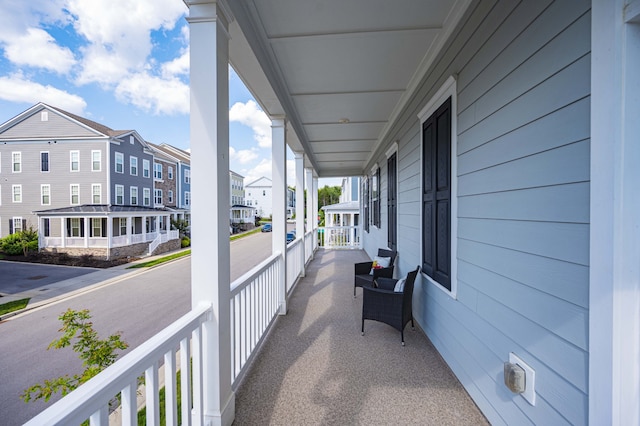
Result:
{"points": [[340, 70]]}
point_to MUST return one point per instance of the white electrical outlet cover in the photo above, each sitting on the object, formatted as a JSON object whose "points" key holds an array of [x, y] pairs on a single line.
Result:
{"points": [[530, 379]]}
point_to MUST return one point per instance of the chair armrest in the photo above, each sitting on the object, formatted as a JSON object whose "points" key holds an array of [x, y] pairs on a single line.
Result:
{"points": [[363, 268], [383, 273], [386, 283], [379, 298]]}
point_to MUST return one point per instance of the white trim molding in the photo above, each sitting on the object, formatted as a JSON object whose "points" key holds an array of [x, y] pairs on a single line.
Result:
{"points": [[392, 149]]}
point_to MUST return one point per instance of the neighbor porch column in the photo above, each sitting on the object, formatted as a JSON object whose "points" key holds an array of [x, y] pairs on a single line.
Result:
{"points": [[210, 271], [314, 194], [86, 232], [279, 197], [300, 205], [308, 183], [63, 232]]}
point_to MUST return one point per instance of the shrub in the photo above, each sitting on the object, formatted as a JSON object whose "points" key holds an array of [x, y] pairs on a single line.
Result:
{"points": [[21, 242], [185, 242]]}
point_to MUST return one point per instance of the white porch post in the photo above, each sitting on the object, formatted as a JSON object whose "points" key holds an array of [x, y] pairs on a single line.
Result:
{"points": [[86, 232], [279, 197], [144, 228], [210, 274], [129, 230], [300, 205], [614, 273], [63, 232], [308, 183], [314, 211]]}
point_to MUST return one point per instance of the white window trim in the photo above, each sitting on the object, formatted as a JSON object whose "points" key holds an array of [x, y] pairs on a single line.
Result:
{"points": [[96, 151], [19, 162], [13, 193], [146, 167], [75, 151], [94, 186], [118, 155], [17, 218], [131, 158], [170, 172], [155, 174], [169, 196], [71, 194], [187, 199], [146, 195], [448, 89], [116, 195], [133, 189], [42, 187]]}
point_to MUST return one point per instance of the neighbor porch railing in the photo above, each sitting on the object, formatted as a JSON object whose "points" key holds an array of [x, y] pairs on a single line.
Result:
{"points": [[162, 238], [308, 246], [339, 237], [254, 305], [103, 242]]}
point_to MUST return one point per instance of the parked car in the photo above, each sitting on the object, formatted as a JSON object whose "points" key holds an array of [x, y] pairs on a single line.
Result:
{"points": [[290, 237], [266, 227]]}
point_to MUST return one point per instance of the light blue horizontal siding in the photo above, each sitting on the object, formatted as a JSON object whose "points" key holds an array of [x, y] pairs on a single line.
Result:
{"points": [[523, 172]]}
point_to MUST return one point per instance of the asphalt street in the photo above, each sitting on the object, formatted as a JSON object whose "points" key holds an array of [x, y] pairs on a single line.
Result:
{"points": [[16, 277], [138, 306]]}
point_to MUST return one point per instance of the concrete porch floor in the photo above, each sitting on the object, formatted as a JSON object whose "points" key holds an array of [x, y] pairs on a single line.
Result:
{"points": [[316, 369]]}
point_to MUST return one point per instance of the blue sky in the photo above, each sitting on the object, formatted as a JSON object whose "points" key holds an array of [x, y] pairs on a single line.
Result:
{"points": [[123, 64]]}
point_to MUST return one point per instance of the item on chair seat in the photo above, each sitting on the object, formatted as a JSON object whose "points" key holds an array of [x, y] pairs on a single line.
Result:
{"points": [[365, 273], [380, 262], [384, 304]]}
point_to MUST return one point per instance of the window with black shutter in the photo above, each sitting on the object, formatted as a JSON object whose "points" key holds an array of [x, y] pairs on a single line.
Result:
{"points": [[392, 194], [436, 195], [365, 203]]}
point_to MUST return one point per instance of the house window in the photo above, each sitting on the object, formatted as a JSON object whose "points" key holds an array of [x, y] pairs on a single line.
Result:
{"points": [[157, 196], [44, 116], [120, 194], [96, 161], [75, 194], [187, 199], [375, 198], [436, 195], [157, 171], [16, 161], [45, 194], [131, 140], [264, 192], [16, 224], [133, 195], [187, 176], [44, 161], [170, 172], [170, 196], [392, 201], [146, 168], [17, 193], [146, 196], [122, 225], [74, 157], [97, 227], [96, 193], [46, 224], [119, 162], [133, 166], [75, 227]]}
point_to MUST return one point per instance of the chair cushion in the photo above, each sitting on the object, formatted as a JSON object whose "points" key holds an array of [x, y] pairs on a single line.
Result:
{"points": [[380, 262], [399, 288]]}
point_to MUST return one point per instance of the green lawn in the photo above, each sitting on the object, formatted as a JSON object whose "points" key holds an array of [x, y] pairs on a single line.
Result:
{"points": [[5, 308], [160, 260]]}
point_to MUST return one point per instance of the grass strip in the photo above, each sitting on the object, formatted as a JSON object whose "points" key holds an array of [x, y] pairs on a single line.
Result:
{"points": [[235, 237], [160, 260], [5, 308]]}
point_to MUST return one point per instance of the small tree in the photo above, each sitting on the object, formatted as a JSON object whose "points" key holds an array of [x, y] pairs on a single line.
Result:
{"points": [[96, 355], [181, 225]]}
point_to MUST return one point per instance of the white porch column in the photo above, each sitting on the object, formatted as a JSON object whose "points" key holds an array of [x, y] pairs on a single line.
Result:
{"points": [[210, 274], [300, 205], [614, 273], [129, 230], [279, 197], [86, 232], [110, 231], [144, 228], [63, 232], [314, 211], [308, 183]]}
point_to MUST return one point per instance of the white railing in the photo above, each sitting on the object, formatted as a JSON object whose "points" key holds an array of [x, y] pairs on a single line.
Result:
{"points": [[339, 237], [52, 241], [294, 262], [91, 401], [119, 241], [154, 244], [254, 306], [97, 242], [137, 238], [74, 242], [308, 246], [150, 236], [174, 234]]}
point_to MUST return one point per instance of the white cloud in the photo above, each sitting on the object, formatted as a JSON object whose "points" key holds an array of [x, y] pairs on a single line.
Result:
{"points": [[36, 48], [264, 169], [243, 156], [154, 94], [16, 88], [251, 115], [179, 66]]}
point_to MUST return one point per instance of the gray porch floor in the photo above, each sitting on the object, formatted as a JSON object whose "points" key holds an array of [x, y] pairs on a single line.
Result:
{"points": [[315, 367]]}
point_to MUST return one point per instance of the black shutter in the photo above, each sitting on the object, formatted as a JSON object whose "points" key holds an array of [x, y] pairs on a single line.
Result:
{"points": [[392, 202], [436, 196], [68, 227], [10, 226]]}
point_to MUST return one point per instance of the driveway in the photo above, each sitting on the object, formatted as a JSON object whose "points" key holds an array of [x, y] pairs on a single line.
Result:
{"points": [[16, 277]]}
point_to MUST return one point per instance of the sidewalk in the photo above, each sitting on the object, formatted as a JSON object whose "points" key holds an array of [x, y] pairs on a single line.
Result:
{"points": [[67, 288]]}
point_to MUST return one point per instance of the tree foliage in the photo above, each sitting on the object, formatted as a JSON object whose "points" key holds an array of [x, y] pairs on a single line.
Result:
{"points": [[96, 355], [21, 242], [328, 195]]}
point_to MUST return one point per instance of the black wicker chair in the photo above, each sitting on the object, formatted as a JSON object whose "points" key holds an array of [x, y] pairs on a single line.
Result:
{"points": [[363, 278], [385, 305]]}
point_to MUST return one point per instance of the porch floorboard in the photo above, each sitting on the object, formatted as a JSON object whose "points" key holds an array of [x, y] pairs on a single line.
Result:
{"points": [[315, 367]]}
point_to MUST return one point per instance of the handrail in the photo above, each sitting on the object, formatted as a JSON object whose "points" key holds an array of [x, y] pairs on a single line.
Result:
{"points": [[91, 399], [252, 274]]}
